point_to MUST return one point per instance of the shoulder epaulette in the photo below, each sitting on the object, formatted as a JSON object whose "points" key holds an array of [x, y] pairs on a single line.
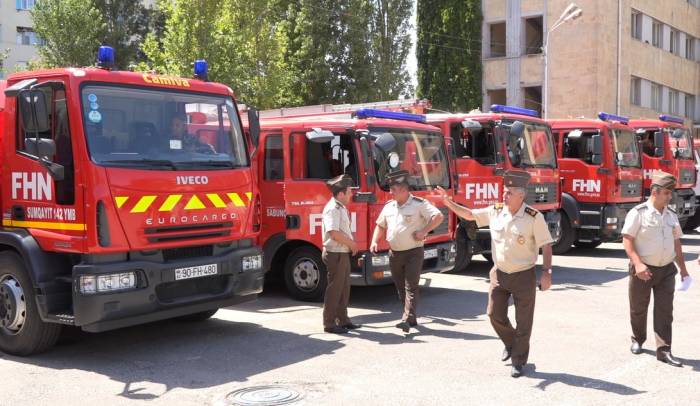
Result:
{"points": [[641, 206], [671, 210], [419, 199], [531, 211], [498, 206]]}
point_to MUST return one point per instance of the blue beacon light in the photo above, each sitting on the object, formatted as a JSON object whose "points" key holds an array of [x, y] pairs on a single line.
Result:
{"points": [[671, 119], [612, 117], [500, 108], [105, 57], [201, 69], [391, 115]]}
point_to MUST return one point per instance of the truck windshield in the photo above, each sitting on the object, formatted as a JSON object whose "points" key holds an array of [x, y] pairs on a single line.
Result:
{"points": [[535, 148], [161, 129], [625, 148], [421, 154], [681, 143]]}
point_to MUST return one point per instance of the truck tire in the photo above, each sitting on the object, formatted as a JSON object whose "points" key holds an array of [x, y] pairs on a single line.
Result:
{"points": [[586, 244], [693, 222], [568, 236], [305, 275], [22, 332], [195, 317], [488, 257]]}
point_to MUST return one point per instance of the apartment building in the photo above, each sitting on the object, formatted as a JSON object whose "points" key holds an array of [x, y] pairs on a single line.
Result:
{"points": [[639, 58], [16, 34]]}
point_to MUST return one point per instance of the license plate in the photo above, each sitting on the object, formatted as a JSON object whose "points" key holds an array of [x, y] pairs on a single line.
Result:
{"points": [[687, 205], [431, 253], [196, 271]]}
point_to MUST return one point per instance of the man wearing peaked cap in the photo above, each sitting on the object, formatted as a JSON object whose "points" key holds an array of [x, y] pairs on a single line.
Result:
{"points": [[651, 237], [405, 222], [518, 232], [338, 246]]}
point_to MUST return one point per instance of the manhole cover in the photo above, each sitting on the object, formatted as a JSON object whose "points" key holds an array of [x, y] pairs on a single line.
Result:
{"points": [[268, 395]]}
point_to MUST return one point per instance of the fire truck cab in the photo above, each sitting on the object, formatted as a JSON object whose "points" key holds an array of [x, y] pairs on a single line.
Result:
{"points": [[601, 173], [484, 146], [667, 145], [299, 151], [126, 198]]}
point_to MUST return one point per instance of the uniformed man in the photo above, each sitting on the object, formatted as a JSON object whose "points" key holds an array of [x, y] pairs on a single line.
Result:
{"points": [[518, 232], [651, 237], [405, 222], [338, 246]]}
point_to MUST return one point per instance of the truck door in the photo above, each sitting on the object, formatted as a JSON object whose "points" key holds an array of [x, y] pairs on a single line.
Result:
{"points": [[480, 175], [32, 197]]}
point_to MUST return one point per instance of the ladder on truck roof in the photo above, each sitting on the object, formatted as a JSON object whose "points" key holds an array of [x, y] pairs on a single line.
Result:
{"points": [[417, 106]]}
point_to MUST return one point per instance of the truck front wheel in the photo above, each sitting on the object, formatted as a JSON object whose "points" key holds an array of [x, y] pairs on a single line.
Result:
{"points": [[22, 332], [305, 275], [568, 236]]}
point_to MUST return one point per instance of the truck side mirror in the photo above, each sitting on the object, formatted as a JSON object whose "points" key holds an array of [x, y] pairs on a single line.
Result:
{"points": [[254, 126], [658, 143], [517, 129], [471, 125], [677, 133], [41, 147], [319, 135], [34, 111], [596, 150]]}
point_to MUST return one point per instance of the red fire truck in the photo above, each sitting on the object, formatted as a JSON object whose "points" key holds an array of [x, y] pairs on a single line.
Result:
{"points": [[667, 145], [302, 147], [485, 145], [126, 198], [601, 170]]}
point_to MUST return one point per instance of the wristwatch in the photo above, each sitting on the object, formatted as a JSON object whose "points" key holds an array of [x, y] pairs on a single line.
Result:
{"points": [[549, 271]]}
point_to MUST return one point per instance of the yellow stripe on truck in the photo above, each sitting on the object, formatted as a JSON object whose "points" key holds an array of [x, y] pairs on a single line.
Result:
{"points": [[143, 204], [170, 202], [216, 200], [235, 199], [194, 204], [45, 224], [120, 200]]}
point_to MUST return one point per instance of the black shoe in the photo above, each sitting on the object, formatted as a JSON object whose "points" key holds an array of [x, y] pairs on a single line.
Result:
{"points": [[336, 330], [412, 323], [666, 357], [351, 326], [635, 348], [405, 326], [506, 353], [516, 371]]}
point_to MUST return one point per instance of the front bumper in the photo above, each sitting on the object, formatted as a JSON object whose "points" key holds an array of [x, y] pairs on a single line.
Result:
{"points": [[158, 295], [366, 274]]}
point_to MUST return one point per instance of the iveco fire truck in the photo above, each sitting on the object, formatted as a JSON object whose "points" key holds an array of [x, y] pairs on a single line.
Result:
{"points": [[485, 145], [126, 198], [300, 148], [601, 173], [667, 146]]}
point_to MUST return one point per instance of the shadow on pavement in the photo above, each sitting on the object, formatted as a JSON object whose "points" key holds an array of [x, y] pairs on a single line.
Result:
{"points": [[200, 355], [579, 381]]}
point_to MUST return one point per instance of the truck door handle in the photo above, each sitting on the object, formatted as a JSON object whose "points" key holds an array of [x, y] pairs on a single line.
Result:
{"points": [[17, 213], [292, 222]]}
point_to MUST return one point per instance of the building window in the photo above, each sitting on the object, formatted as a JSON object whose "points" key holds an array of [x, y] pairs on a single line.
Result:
{"points": [[24, 4], [637, 19], [497, 43], [690, 106], [657, 34], [656, 97], [636, 91], [674, 42], [27, 36], [533, 35], [496, 96], [532, 98], [690, 47], [673, 101]]}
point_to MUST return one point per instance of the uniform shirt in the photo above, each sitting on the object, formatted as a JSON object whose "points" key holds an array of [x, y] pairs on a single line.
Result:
{"points": [[653, 232], [515, 239], [335, 218], [401, 222]]}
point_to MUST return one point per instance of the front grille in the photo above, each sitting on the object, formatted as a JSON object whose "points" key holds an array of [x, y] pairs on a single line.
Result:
{"points": [[191, 288], [188, 232], [443, 228], [687, 175], [175, 254], [538, 193], [631, 188]]}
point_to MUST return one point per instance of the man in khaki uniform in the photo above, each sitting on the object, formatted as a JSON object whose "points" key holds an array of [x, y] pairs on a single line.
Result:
{"points": [[338, 246], [518, 232], [405, 222], [651, 237]]}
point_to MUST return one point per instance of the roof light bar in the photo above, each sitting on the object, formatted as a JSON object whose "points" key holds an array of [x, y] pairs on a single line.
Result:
{"points": [[201, 69], [105, 57], [671, 119], [391, 115], [613, 117], [500, 108]]}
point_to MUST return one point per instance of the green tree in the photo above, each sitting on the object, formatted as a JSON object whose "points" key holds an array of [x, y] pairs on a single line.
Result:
{"points": [[127, 22], [449, 53], [72, 31]]}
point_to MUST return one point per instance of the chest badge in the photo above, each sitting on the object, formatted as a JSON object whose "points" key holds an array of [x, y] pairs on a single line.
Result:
{"points": [[521, 240]]}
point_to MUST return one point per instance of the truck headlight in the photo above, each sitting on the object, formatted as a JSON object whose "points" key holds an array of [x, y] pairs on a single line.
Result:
{"points": [[251, 262], [611, 220], [380, 260], [90, 284]]}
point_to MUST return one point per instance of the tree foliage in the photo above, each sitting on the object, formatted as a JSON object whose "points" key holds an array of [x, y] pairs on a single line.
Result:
{"points": [[449, 53]]}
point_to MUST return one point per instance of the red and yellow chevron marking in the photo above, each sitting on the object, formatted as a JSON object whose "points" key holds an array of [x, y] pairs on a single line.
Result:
{"points": [[167, 203]]}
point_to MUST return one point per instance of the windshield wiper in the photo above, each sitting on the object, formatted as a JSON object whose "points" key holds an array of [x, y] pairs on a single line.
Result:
{"points": [[142, 162], [218, 164]]}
